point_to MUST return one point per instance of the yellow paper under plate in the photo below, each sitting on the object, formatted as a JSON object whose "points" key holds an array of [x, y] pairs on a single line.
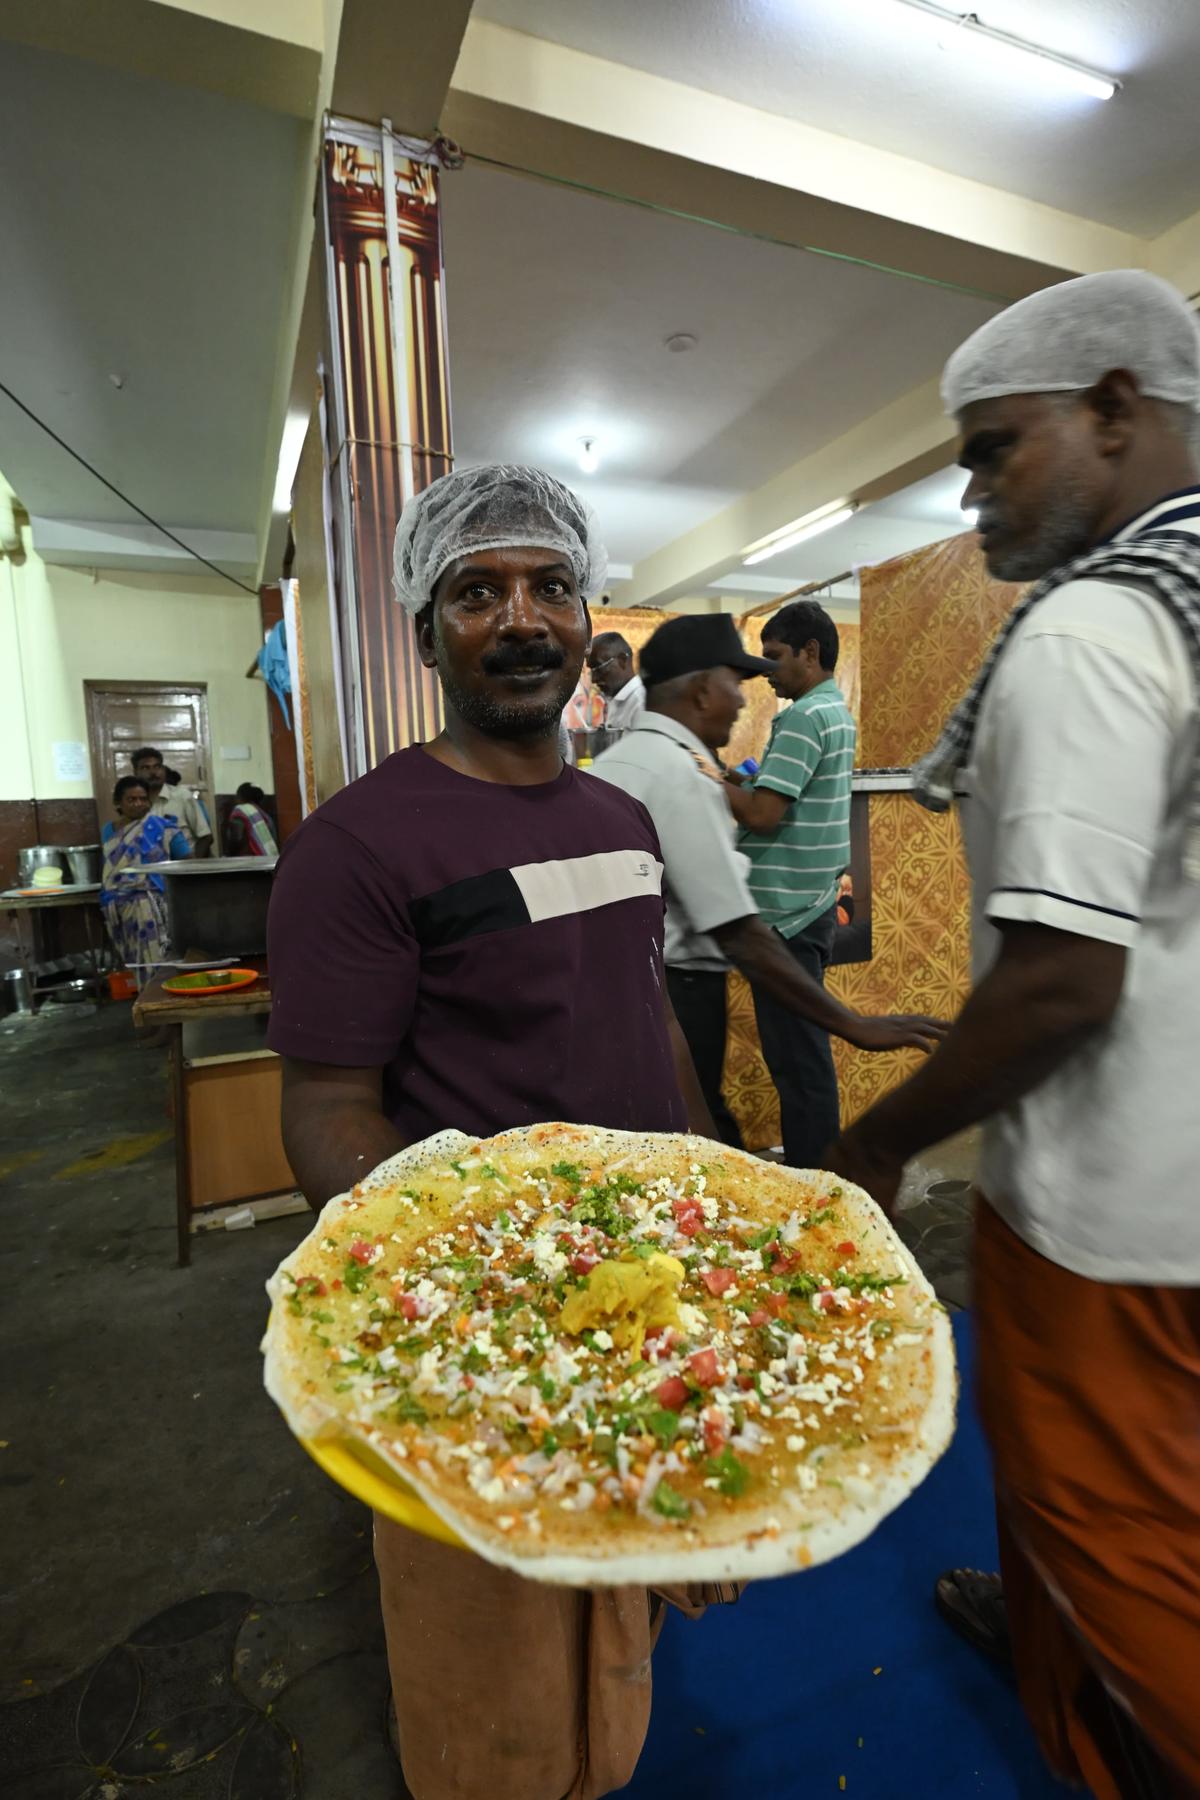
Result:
{"points": [[371, 1481]]}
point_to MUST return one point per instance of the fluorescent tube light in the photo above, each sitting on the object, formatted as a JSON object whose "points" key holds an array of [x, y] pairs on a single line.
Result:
{"points": [[968, 32], [811, 525]]}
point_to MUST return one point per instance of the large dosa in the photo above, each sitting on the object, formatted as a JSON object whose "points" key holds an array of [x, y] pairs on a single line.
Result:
{"points": [[607, 1358]]}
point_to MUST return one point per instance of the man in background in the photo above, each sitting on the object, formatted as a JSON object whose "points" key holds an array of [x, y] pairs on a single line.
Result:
{"points": [[795, 819], [1078, 752], [176, 804], [610, 660], [693, 670]]}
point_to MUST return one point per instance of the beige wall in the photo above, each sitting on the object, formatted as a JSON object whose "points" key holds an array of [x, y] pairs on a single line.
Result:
{"points": [[60, 627]]}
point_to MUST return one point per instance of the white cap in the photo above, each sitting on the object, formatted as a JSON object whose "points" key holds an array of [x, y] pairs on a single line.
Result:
{"points": [[1067, 337], [500, 506]]}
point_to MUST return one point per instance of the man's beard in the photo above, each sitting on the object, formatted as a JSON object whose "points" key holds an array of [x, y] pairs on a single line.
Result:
{"points": [[1064, 532], [497, 717]]}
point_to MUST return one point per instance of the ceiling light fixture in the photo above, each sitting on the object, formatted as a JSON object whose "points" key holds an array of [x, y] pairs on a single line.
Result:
{"points": [[680, 341], [823, 518], [295, 430], [589, 456], [966, 30]]}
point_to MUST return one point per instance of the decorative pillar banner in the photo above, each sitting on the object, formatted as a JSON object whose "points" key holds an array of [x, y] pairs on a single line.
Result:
{"points": [[387, 414]]}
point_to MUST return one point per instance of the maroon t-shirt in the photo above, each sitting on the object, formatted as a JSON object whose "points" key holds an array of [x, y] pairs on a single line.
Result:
{"points": [[497, 949]]}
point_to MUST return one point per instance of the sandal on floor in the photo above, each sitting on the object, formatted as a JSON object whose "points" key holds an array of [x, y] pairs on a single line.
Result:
{"points": [[972, 1603]]}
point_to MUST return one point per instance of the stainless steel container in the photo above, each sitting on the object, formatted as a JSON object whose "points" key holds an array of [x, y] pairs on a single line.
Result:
{"points": [[85, 862], [17, 997], [42, 856], [217, 906]]}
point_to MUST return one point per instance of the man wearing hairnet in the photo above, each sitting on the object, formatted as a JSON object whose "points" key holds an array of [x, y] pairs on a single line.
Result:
{"points": [[432, 933], [1077, 756]]}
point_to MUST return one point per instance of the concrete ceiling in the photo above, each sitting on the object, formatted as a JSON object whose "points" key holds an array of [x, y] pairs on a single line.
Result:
{"points": [[146, 230], [559, 307], [866, 69]]}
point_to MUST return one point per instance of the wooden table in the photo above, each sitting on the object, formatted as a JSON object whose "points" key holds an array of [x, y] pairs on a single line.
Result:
{"points": [[23, 906], [225, 1096]]}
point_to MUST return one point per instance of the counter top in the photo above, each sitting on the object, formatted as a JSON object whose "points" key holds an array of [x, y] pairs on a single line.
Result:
{"points": [[66, 895], [218, 865]]}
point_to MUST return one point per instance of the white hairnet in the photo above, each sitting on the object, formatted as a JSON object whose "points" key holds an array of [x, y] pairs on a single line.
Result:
{"points": [[1066, 337], [500, 506]]}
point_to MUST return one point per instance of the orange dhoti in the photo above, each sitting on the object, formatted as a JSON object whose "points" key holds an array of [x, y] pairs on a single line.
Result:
{"points": [[1090, 1395], [509, 1689]]}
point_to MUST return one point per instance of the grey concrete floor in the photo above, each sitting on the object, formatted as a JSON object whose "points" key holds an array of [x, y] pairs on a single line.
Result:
{"points": [[152, 1496], [187, 1602]]}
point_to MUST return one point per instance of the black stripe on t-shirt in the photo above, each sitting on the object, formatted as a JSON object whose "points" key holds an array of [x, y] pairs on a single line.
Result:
{"points": [[466, 909], [1088, 905]]}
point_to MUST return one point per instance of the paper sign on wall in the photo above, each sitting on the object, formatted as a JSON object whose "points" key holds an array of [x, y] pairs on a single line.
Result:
{"points": [[70, 762]]}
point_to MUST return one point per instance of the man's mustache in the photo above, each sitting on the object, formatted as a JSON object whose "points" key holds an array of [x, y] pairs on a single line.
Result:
{"points": [[516, 658]]}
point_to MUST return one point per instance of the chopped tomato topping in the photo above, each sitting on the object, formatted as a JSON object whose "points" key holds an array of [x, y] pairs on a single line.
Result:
{"points": [[718, 1281], [584, 1262], [689, 1216], [410, 1306], [775, 1304], [673, 1392], [658, 1341], [361, 1252], [759, 1316], [704, 1367], [847, 1249], [745, 1382], [716, 1430], [337, 1281], [827, 1301]]}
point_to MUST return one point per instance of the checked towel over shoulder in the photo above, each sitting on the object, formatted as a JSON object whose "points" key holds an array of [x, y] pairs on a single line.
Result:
{"points": [[1165, 564]]}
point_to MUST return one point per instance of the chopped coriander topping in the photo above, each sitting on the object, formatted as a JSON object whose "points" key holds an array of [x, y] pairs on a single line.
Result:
{"points": [[409, 1411], [663, 1424], [733, 1477], [670, 1504], [761, 1239]]}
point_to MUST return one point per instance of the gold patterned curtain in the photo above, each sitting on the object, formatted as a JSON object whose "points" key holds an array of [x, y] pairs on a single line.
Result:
{"points": [[927, 621]]}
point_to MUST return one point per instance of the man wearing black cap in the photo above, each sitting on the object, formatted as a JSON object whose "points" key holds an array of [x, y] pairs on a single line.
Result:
{"points": [[693, 668]]}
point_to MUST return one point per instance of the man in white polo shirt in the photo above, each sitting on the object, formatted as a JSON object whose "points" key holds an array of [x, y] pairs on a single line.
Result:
{"points": [[610, 660], [1078, 753], [692, 669]]}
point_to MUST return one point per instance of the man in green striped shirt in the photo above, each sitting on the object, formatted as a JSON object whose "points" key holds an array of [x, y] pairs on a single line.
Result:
{"points": [[795, 820]]}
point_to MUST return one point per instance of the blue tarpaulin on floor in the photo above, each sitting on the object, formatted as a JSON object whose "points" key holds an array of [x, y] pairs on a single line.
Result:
{"points": [[778, 1697]]}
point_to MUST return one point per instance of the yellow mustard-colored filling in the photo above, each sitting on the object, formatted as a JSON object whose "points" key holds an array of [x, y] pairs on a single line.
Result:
{"points": [[626, 1298]]}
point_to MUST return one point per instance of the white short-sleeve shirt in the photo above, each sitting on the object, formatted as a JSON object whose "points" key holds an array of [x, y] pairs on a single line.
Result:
{"points": [[623, 711], [665, 766], [180, 804], [1078, 788]]}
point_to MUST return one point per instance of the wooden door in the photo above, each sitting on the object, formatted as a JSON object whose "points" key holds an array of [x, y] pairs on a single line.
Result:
{"points": [[170, 715]]}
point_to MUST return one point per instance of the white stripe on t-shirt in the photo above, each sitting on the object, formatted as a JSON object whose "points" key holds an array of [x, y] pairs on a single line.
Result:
{"points": [[552, 890]]}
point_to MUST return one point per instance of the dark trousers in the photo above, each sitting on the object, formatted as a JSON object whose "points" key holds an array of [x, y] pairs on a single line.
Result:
{"points": [[799, 1054], [698, 996]]}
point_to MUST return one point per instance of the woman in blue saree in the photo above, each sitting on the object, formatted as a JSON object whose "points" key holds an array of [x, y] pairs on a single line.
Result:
{"points": [[131, 895]]}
